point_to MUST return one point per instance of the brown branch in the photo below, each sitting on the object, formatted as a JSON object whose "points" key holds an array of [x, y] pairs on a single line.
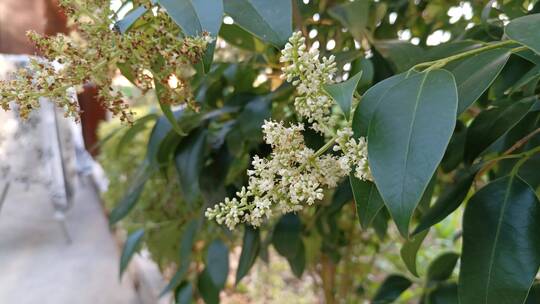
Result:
{"points": [[513, 148]]}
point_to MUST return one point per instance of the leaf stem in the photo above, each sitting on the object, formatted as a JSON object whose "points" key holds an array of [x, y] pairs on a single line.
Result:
{"points": [[442, 62]]}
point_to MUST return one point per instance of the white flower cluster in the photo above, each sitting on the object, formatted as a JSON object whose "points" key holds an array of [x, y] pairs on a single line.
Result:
{"points": [[305, 71], [294, 175], [291, 177], [354, 153]]}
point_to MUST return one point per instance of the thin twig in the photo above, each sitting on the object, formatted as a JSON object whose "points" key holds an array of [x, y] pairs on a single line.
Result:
{"points": [[513, 148]]}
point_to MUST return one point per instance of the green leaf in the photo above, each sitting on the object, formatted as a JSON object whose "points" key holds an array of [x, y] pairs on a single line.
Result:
{"points": [[195, 16], [250, 250], [238, 37], [129, 19], [407, 137], [298, 262], [442, 267], [189, 161], [444, 50], [380, 223], [343, 93], [443, 294], [217, 263], [403, 55], [126, 70], [365, 66], [168, 112], [138, 126], [369, 103], [392, 287], [184, 293], [184, 257], [449, 201], [252, 117], [456, 148], [271, 21], [353, 15], [286, 236], [534, 295], [409, 251], [491, 124], [143, 174], [525, 31], [208, 291], [368, 200], [501, 243], [475, 74], [425, 201], [130, 247]]}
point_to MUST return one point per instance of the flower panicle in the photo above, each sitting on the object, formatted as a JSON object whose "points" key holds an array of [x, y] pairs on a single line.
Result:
{"points": [[95, 51], [293, 175]]}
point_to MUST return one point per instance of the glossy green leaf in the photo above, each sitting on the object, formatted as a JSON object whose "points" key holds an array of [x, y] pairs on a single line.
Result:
{"points": [[208, 291], [130, 198], [447, 202], [238, 37], [534, 295], [425, 201], [271, 21], [475, 74], [368, 200], [442, 267], [286, 236], [409, 251], [456, 148], [130, 18], [380, 223], [184, 293], [343, 92], [403, 55], [369, 103], [525, 31], [392, 287], [407, 136], [250, 250], [365, 66], [131, 246], [353, 15], [501, 243], [491, 124], [444, 50], [217, 263], [446, 293], [195, 16], [189, 160]]}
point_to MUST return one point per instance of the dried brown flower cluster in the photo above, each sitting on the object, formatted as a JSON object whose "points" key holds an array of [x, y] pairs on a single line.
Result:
{"points": [[153, 51]]}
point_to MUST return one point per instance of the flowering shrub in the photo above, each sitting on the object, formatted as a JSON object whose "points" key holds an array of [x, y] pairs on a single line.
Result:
{"points": [[388, 119]]}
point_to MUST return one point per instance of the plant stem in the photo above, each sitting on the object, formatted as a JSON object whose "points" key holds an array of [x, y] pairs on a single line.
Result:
{"points": [[325, 147], [442, 62], [507, 153]]}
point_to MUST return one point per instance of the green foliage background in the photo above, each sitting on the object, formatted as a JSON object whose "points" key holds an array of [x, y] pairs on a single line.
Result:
{"points": [[451, 128]]}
